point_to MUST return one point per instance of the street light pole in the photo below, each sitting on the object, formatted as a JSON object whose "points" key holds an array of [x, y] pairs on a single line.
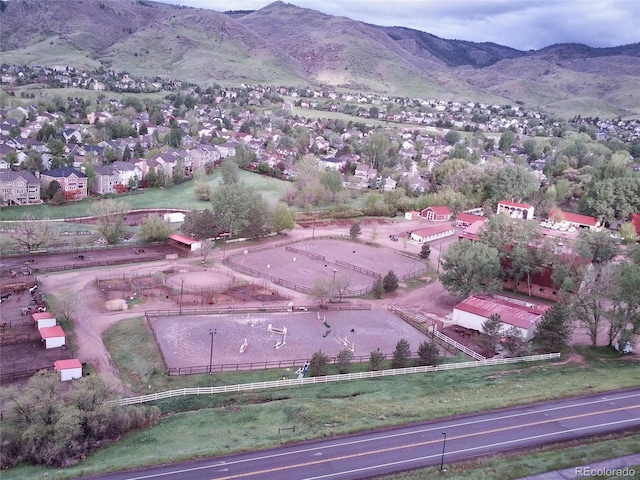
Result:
{"points": [[181, 293], [333, 286], [212, 333], [444, 443], [224, 246]]}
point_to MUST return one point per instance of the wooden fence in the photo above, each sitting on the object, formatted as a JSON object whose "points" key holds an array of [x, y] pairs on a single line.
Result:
{"points": [[20, 338], [422, 323], [250, 387], [306, 253], [237, 367], [262, 309], [11, 376], [356, 268]]}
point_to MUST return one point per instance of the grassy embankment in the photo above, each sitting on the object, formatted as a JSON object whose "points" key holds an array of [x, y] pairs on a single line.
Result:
{"points": [[198, 426], [177, 196]]}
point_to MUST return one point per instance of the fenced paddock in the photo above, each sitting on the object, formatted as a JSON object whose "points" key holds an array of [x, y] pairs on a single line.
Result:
{"points": [[250, 387], [300, 265], [185, 342]]}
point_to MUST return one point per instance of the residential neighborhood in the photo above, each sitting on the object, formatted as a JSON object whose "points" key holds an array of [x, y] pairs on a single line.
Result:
{"points": [[492, 232]]}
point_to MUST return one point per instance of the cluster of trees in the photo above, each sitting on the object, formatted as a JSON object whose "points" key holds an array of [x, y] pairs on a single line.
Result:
{"points": [[236, 207], [48, 424], [428, 354], [598, 281]]}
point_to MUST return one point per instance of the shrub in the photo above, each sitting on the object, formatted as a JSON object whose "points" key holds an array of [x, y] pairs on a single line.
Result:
{"points": [[376, 359], [318, 365]]}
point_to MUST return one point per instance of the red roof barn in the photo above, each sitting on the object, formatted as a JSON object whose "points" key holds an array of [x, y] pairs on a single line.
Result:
{"points": [[437, 214]]}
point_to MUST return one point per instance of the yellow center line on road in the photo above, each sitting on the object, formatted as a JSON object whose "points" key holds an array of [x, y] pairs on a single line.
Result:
{"points": [[421, 444]]}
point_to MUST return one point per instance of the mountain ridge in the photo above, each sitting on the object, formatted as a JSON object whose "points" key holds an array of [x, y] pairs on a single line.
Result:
{"points": [[285, 44]]}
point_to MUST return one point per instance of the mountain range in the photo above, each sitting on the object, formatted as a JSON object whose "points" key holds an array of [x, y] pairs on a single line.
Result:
{"points": [[282, 44]]}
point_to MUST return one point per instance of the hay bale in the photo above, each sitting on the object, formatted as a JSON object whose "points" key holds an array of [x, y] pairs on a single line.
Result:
{"points": [[116, 304]]}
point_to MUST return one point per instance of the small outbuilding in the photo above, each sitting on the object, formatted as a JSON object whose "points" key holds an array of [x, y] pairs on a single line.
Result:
{"points": [[53, 337], [183, 241], [174, 217], [44, 319], [69, 369], [430, 234]]}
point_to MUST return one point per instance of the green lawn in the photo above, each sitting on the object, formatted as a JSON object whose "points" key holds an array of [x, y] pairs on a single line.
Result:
{"points": [[177, 196], [584, 452]]}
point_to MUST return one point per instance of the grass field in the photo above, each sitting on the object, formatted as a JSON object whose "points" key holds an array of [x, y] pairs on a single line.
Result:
{"points": [[177, 196], [200, 426], [517, 465]]}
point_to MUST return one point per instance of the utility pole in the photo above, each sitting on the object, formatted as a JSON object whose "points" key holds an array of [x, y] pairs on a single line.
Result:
{"points": [[444, 443], [224, 246], [212, 333], [181, 292]]}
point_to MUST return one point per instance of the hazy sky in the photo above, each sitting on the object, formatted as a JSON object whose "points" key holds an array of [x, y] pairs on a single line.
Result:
{"points": [[522, 24]]}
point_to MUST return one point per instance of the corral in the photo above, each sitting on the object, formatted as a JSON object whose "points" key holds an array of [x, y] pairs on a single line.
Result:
{"points": [[299, 265], [186, 341]]}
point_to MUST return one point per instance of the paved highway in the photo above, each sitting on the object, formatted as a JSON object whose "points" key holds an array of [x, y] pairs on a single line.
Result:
{"points": [[382, 452]]}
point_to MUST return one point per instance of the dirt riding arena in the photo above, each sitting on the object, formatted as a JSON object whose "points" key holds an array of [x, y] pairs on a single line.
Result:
{"points": [[303, 263], [185, 341]]}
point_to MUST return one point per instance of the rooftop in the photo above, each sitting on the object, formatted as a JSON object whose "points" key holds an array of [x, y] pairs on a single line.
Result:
{"points": [[511, 313]]}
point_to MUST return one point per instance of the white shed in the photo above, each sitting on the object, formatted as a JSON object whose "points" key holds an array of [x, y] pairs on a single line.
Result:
{"points": [[53, 337], [44, 319], [69, 369], [174, 217]]}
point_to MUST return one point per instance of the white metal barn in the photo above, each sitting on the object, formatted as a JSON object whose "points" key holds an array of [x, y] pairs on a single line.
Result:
{"points": [[473, 311], [69, 369], [53, 337]]}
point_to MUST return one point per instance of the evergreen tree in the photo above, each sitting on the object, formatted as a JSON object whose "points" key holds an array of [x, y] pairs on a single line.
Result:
{"points": [[376, 359], [402, 354], [428, 353], [151, 177], [492, 328], [390, 282], [378, 289], [425, 251], [355, 231], [553, 332]]}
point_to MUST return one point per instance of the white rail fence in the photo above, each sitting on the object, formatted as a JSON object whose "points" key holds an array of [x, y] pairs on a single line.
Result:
{"points": [[422, 323], [457, 345], [249, 387]]}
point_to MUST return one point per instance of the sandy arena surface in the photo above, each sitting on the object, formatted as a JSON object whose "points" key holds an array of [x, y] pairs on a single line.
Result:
{"points": [[186, 342]]}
